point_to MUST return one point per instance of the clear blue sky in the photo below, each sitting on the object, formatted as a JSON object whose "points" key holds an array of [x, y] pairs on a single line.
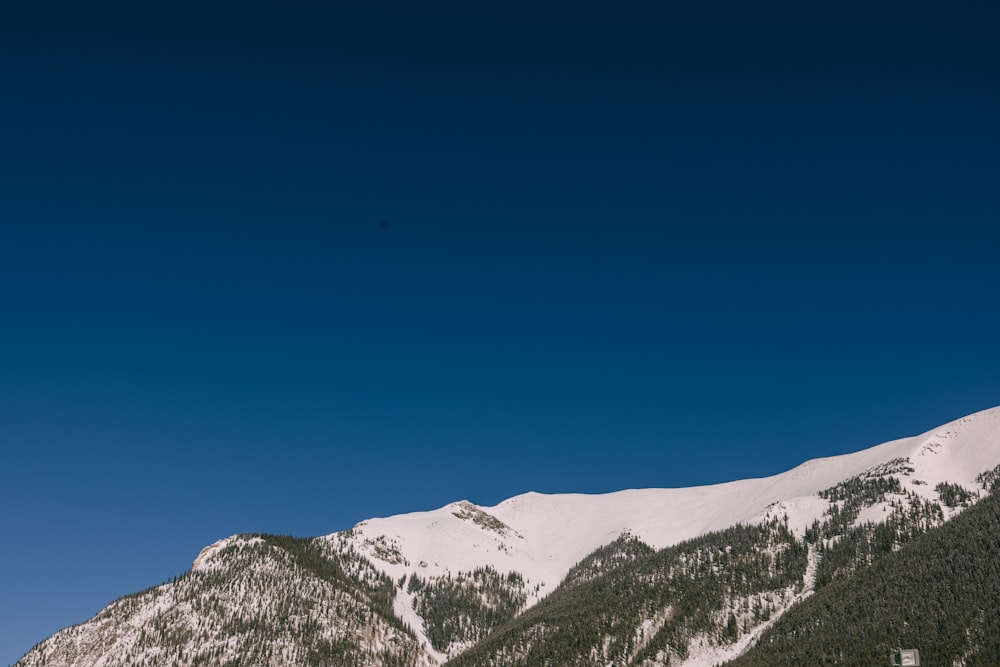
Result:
{"points": [[275, 268]]}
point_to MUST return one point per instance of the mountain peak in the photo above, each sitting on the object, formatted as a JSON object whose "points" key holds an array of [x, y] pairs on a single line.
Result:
{"points": [[416, 589]]}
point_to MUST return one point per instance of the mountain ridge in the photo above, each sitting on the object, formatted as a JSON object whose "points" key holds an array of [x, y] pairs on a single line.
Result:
{"points": [[641, 512], [439, 582]]}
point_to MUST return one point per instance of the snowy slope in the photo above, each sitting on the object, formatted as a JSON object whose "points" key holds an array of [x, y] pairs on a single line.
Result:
{"points": [[537, 536], [541, 536], [544, 535]]}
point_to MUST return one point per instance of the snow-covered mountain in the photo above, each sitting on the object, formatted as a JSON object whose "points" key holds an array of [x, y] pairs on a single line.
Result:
{"points": [[422, 588]]}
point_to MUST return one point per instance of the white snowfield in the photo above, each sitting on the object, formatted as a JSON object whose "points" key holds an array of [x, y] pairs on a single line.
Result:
{"points": [[542, 536]]}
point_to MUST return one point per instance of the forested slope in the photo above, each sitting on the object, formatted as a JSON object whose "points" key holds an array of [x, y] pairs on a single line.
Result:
{"points": [[940, 594]]}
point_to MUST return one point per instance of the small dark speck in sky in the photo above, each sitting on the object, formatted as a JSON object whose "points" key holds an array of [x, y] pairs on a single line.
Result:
{"points": [[384, 225]]}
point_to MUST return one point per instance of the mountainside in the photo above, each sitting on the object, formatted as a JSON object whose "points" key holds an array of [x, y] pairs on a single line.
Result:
{"points": [[939, 594], [641, 577]]}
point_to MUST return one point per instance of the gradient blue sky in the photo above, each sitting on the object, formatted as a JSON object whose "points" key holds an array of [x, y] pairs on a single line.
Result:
{"points": [[279, 269]]}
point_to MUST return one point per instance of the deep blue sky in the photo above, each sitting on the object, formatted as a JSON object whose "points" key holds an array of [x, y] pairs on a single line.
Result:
{"points": [[281, 269]]}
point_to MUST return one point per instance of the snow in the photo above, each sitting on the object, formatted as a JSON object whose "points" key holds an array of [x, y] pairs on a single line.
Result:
{"points": [[541, 536], [203, 561], [546, 534], [801, 512], [702, 652], [403, 606], [876, 513], [550, 533]]}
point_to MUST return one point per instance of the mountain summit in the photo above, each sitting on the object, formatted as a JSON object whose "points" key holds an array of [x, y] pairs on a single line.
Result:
{"points": [[689, 576]]}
